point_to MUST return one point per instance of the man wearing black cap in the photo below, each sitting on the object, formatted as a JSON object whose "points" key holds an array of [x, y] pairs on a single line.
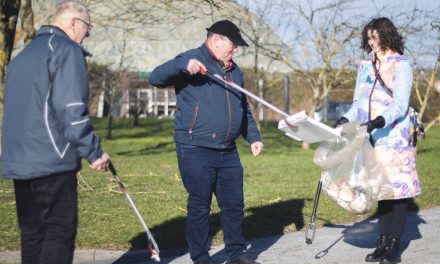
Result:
{"points": [[210, 116]]}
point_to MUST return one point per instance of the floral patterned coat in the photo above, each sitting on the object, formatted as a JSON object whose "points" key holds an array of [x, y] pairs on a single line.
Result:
{"points": [[392, 141]]}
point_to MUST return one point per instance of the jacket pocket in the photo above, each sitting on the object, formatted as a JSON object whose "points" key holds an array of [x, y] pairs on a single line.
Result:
{"points": [[193, 121]]}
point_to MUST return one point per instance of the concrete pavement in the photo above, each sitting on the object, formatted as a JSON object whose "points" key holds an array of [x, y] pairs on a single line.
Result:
{"points": [[333, 244]]}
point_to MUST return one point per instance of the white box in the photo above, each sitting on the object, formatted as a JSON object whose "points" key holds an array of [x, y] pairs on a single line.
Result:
{"points": [[307, 129]]}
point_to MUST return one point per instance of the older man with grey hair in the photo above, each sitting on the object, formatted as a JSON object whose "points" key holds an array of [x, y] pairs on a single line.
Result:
{"points": [[46, 132]]}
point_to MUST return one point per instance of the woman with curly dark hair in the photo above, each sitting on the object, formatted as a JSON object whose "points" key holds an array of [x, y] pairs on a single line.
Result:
{"points": [[390, 39], [381, 102]]}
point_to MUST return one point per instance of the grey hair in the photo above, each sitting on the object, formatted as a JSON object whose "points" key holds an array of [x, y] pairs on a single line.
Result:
{"points": [[69, 5]]}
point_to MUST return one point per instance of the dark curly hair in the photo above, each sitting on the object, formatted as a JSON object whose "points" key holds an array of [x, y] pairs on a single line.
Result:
{"points": [[388, 35]]}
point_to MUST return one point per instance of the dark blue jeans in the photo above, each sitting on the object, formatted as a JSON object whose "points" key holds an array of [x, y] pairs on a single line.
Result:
{"points": [[47, 211], [206, 171]]}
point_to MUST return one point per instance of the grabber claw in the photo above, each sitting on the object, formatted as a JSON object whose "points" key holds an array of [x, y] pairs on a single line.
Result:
{"points": [[154, 254], [152, 245], [311, 227], [310, 233]]}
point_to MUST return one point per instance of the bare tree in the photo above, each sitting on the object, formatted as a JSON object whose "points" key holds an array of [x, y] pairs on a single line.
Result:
{"points": [[421, 31], [120, 21], [9, 16], [424, 84], [115, 85], [123, 22], [27, 21], [325, 42], [9, 12], [321, 40], [253, 21]]}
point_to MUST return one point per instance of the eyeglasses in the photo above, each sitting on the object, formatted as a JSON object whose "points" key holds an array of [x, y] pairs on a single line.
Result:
{"points": [[89, 26]]}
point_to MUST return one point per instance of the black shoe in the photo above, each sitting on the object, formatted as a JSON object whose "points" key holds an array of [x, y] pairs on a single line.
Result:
{"points": [[380, 250], [392, 255], [242, 260]]}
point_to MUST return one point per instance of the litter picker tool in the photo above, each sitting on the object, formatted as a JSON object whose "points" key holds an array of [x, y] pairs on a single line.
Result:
{"points": [[306, 128], [241, 89], [152, 245], [311, 227]]}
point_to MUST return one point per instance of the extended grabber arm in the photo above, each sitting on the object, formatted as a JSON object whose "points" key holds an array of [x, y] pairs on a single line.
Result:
{"points": [[152, 245]]}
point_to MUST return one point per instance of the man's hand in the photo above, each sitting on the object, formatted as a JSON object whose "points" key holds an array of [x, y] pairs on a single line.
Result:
{"points": [[289, 123], [257, 147], [101, 163], [378, 122], [194, 66]]}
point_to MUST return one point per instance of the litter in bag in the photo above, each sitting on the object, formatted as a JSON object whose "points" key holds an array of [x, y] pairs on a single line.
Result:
{"points": [[350, 172]]}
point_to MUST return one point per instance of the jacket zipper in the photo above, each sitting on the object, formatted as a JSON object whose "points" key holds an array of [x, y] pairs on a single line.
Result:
{"points": [[228, 103], [193, 121], [229, 109]]}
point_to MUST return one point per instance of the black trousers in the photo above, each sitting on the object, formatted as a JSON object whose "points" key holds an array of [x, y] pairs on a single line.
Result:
{"points": [[47, 211], [392, 217]]}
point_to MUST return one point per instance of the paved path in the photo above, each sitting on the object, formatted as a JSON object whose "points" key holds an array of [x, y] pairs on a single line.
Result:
{"points": [[335, 244]]}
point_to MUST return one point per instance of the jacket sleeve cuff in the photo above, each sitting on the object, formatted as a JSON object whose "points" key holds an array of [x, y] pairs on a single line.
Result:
{"points": [[254, 138], [96, 154], [181, 63]]}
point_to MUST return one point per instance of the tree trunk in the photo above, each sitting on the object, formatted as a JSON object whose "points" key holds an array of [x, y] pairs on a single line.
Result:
{"points": [[111, 102], [257, 89], [27, 21], [8, 16], [109, 126], [136, 120], [8, 22]]}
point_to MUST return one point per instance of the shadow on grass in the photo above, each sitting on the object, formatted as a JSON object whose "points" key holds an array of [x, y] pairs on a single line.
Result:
{"points": [[426, 150], [365, 234], [270, 220]]}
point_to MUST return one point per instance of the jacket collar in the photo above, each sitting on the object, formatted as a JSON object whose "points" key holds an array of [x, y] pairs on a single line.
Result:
{"points": [[213, 59], [53, 30]]}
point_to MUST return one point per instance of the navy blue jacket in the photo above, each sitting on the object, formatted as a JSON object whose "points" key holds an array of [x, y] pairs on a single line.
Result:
{"points": [[46, 127], [209, 113]]}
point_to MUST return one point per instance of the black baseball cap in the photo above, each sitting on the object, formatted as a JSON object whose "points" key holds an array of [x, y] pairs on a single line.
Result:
{"points": [[228, 29]]}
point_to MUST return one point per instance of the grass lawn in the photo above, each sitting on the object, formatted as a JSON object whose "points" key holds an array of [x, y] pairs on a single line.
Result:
{"points": [[279, 189]]}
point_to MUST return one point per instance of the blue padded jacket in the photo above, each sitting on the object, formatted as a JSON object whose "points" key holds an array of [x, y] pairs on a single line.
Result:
{"points": [[46, 127], [209, 113]]}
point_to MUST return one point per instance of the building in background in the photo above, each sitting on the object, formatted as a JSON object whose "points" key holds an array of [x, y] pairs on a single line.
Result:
{"points": [[137, 36]]}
